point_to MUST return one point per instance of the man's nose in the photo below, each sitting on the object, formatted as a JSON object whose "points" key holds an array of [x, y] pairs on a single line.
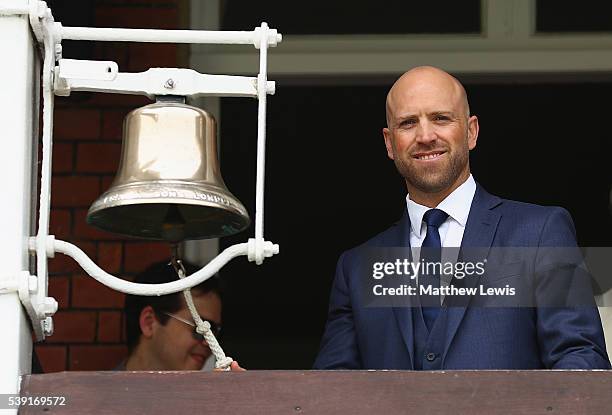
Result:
{"points": [[425, 132]]}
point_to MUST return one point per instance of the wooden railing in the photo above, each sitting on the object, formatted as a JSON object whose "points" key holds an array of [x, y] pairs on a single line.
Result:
{"points": [[324, 392]]}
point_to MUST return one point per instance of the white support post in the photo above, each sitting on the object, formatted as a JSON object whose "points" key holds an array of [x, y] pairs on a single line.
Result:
{"points": [[18, 116], [261, 144]]}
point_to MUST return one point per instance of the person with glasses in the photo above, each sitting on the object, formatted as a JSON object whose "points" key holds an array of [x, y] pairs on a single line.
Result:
{"points": [[161, 334]]}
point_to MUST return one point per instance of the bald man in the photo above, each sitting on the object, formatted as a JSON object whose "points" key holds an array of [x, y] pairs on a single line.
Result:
{"points": [[382, 316]]}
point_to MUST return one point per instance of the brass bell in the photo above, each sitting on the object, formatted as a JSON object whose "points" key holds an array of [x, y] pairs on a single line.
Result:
{"points": [[169, 185]]}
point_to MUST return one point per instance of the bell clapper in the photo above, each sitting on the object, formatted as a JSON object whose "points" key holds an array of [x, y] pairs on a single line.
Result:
{"points": [[176, 263], [203, 327]]}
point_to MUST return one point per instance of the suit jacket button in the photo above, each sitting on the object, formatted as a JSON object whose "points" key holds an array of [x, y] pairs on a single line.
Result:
{"points": [[430, 357]]}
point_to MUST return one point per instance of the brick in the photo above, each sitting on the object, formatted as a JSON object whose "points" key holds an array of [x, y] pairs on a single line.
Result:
{"points": [[74, 191], [52, 358], [106, 182], [139, 255], [84, 231], [152, 55], [63, 264], [112, 124], [110, 256], [137, 17], [60, 223], [59, 288], [89, 293], [76, 124], [98, 157], [109, 326], [74, 327], [96, 357], [123, 331], [62, 157]]}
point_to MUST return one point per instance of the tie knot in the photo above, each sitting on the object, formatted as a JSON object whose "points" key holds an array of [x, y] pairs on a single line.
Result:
{"points": [[435, 217]]}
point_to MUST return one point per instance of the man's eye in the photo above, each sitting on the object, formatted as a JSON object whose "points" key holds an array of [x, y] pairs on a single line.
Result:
{"points": [[408, 123], [441, 118]]}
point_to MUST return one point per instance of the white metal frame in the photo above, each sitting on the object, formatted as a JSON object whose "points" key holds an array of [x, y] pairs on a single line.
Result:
{"points": [[104, 76]]}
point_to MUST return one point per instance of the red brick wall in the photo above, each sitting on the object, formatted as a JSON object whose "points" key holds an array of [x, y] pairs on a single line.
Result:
{"points": [[87, 140]]}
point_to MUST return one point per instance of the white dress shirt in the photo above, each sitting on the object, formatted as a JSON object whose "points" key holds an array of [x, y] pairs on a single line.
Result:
{"points": [[457, 206]]}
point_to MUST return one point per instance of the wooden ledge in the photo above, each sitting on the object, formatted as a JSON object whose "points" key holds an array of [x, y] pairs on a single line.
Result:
{"points": [[324, 392]]}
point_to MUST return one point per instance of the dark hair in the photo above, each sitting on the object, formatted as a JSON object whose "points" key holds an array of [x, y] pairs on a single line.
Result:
{"points": [[159, 273]]}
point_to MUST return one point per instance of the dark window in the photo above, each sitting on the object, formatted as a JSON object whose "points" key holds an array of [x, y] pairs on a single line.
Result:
{"points": [[336, 17], [573, 16]]}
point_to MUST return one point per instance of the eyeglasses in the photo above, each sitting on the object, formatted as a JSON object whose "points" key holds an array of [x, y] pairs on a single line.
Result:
{"points": [[214, 327]]}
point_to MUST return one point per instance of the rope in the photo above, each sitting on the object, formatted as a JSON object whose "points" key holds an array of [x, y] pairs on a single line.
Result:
{"points": [[223, 362]]}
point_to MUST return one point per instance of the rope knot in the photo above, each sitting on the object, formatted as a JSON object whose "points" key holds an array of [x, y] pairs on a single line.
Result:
{"points": [[203, 327]]}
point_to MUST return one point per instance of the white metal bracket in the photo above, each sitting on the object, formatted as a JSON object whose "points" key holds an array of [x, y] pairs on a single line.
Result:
{"points": [[104, 76], [39, 310]]}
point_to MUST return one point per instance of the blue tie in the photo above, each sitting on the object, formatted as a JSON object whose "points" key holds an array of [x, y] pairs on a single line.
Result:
{"points": [[432, 254]]}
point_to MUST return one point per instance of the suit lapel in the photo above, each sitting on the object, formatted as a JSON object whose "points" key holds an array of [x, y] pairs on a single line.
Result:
{"points": [[479, 233], [402, 310]]}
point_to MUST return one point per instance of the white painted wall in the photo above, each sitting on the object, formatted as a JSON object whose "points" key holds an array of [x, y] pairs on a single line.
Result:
{"points": [[17, 118]]}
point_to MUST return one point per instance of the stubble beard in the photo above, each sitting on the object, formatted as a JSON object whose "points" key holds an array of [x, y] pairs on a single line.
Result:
{"points": [[434, 180]]}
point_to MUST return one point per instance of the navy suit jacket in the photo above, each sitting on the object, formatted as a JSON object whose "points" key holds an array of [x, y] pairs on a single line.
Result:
{"points": [[360, 337]]}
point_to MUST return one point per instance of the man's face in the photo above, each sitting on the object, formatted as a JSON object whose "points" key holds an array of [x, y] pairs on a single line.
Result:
{"points": [[430, 133], [173, 343]]}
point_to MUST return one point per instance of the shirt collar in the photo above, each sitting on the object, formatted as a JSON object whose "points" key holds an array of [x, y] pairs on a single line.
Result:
{"points": [[457, 205]]}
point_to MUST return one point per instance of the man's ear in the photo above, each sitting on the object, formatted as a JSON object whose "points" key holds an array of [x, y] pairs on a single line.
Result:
{"points": [[473, 129], [389, 142], [148, 322]]}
